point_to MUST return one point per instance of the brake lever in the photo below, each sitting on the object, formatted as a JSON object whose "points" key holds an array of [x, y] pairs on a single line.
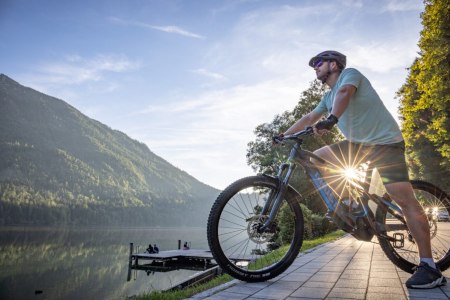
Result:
{"points": [[309, 130], [277, 140]]}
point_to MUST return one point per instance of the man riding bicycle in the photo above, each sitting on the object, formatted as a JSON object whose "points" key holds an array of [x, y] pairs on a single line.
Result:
{"points": [[372, 134]]}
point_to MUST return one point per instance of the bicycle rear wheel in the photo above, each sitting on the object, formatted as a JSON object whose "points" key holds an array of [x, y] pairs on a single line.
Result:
{"points": [[238, 247], [406, 256]]}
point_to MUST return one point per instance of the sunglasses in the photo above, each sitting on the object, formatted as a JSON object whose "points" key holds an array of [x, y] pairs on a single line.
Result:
{"points": [[318, 63]]}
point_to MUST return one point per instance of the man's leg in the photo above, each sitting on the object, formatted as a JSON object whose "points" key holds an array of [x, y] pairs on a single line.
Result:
{"points": [[426, 275], [416, 219]]}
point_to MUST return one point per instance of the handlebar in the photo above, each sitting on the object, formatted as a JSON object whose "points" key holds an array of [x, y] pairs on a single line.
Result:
{"points": [[278, 139]]}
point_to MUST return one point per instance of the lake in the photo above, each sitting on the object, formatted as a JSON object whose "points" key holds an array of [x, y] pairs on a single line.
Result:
{"points": [[85, 263]]}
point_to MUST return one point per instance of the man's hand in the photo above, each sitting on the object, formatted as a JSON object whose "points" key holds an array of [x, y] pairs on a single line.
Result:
{"points": [[277, 139], [322, 126]]}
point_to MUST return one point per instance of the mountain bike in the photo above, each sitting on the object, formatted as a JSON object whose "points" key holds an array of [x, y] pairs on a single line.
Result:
{"points": [[256, 226]]}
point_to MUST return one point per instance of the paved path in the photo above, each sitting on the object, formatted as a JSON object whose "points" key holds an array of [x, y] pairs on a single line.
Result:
{"points": [[344, 269]]}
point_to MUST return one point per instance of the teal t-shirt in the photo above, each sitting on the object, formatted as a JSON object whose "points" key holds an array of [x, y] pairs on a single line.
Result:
{"points": [[366, 120]]}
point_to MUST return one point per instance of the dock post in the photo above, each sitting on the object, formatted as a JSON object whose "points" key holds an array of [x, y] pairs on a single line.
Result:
{"points": [[131, 253], [130, 259], [179, 244]]}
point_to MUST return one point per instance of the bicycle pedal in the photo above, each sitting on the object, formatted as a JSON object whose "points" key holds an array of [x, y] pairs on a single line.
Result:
{"points": [[399, 240]]}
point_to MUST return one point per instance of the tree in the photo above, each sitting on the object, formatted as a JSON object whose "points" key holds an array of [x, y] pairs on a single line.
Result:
{"points": [[425, 98], [263, 157]]}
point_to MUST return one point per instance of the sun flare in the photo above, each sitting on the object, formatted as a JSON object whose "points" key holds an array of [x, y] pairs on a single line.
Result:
{"points": [[351, 173]]}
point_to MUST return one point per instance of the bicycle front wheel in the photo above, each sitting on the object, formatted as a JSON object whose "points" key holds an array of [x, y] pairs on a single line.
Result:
{"points": [[404, 253], [236, 244]]}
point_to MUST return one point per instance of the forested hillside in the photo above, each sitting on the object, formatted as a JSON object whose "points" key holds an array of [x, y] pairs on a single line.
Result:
{"points": [[58, 166]]}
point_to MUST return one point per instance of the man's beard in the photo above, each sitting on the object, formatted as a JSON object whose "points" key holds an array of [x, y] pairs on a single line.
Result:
{"points": [[323, 78]]}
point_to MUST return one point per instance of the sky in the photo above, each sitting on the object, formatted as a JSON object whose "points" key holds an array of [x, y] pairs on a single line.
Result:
{"points": [[193, 78]]}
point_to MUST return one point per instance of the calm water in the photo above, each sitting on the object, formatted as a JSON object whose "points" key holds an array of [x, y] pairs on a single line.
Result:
{"points": [[85, 263]]}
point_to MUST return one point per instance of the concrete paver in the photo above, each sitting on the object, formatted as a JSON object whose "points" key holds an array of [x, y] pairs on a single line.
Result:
{"points": [[343, 269]]}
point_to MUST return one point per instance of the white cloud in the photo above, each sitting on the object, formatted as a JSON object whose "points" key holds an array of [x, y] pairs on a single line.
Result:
{"points": [[172, 107], [404, 5], [208, 134], [168, 28], [353, 3], [220, 107], [209, 74], [178, 30], [382, 57], [78, 79], [76, 69]]}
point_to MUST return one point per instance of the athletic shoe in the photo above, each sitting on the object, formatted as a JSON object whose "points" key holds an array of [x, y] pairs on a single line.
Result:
{"points": [[425, 277]]}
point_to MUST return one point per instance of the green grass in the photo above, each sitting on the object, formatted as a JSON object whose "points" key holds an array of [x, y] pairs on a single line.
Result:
{"points": [[321, 240], [190, 291], [269, 258], [187, 292]]}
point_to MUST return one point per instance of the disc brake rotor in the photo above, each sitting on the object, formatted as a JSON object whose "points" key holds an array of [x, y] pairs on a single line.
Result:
{"points": [[253, 225]]}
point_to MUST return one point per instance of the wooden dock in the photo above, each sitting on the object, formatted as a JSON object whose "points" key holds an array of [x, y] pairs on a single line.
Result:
{"points": [[177, 257], [164, 261]]}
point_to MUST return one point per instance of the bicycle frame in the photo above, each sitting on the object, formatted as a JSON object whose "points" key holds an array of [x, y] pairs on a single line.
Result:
{"points": [[299, 156]]}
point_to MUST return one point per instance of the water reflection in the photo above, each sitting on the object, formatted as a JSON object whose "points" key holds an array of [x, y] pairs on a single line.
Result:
{"points": [[84, 263]]}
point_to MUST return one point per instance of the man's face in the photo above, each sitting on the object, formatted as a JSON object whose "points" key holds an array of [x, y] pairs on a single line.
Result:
{"points": [[322, 67]]}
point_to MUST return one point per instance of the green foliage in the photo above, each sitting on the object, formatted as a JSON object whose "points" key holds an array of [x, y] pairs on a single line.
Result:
{"points": [[316, 225], [61, 167], [263, 157], [425, 98], [286, 221]]}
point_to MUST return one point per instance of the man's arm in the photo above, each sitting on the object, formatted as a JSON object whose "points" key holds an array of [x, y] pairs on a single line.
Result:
{"points": [[342, 99], [307, 120], [340, 103]]}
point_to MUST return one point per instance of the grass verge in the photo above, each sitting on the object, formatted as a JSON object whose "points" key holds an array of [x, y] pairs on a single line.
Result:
{"points": [[190, 291]]}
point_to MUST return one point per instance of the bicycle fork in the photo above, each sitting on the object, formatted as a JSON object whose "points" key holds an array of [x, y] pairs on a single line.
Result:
{"points": [[276, 197]]}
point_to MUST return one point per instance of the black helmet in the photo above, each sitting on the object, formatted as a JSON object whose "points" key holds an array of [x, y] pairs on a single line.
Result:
{"points": [[329, 55]]}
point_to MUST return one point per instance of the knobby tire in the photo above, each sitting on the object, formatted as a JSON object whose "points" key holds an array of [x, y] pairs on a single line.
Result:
{"points": [[239, 250]]}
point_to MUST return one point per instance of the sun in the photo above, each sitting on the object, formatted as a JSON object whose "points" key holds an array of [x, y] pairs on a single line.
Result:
{"points": [[351, 173]]}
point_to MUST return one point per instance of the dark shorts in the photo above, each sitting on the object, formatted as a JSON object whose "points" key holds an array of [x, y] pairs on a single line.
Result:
{"points": [[388, 159]]}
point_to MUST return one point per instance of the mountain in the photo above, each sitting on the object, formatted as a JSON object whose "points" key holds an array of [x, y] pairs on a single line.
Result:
{"points": [[59, 166]]}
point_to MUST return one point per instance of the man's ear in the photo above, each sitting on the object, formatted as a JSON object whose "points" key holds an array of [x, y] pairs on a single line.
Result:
{"points": [[334, 65]]}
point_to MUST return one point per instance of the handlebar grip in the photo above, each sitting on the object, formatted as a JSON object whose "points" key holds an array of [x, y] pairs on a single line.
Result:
{"points": [[277, 139]]}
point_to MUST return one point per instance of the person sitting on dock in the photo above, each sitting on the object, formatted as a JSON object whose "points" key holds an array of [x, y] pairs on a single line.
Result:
{"points": [[155, 248], [185, 246], [150, 249]]}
